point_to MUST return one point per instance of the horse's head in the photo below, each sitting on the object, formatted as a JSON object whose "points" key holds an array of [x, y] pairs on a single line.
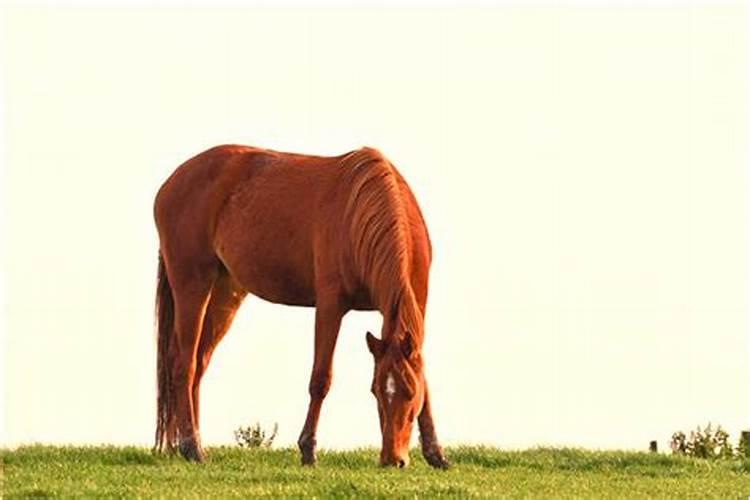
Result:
{"points": [[398, 385]]}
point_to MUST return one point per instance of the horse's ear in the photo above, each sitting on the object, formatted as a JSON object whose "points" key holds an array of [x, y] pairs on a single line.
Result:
{"points": [[375, 345], [407, 346]]}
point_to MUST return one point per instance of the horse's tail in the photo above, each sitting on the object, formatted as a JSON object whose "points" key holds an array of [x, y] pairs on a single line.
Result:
{"points": [[165, 404]]}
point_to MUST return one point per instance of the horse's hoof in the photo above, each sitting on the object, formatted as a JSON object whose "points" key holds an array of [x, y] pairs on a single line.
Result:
{"points": [[307, 449], [308, 457], [436, 459], [191, 451]]}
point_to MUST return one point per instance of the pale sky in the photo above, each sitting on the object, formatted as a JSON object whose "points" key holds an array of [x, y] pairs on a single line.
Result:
{"points": [[582, 171]]}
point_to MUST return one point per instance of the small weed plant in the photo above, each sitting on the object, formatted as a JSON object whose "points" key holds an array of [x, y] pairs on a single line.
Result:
{"points": [[707, 442], [254, 436]]}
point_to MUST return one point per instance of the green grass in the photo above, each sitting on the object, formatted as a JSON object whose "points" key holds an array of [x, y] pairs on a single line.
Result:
{"points": [[40, 471]]}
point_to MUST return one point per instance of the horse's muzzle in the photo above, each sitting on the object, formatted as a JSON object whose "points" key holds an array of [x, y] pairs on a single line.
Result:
{"points": [[396, 461]]}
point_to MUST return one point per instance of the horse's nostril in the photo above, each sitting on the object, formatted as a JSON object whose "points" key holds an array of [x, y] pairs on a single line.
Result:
{"points": [[401, 464]]}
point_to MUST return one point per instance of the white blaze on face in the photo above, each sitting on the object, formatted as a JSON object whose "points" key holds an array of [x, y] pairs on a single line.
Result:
{"points": [[390, 388]]}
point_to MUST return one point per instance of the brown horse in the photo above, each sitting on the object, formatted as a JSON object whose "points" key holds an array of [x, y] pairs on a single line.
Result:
{"points": [[334, 233]]}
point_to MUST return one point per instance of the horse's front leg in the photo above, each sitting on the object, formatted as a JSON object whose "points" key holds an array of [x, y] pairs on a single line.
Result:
{"points": [[327, 322], [431, 449]]}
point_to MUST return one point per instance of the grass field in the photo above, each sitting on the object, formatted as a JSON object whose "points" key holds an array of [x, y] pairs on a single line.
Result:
{"points": [[40, 471]]}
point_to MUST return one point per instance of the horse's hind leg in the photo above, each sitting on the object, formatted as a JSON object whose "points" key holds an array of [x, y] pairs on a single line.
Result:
{"points": [[226, 297], [191, 287]]}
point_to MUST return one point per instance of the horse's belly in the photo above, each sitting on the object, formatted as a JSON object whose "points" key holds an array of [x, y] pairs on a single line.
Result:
{"points": [[279, 287], [272, 260], [271, 277]]}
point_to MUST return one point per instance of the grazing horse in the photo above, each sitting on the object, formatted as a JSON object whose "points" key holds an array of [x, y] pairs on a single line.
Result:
{"points": [[335, 233]]}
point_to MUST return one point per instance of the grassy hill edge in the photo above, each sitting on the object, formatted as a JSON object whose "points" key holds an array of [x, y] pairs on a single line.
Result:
{"points": [[40, 470]]}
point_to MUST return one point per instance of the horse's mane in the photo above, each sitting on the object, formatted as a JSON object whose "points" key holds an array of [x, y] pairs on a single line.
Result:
{"points": [[381, 239]]}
